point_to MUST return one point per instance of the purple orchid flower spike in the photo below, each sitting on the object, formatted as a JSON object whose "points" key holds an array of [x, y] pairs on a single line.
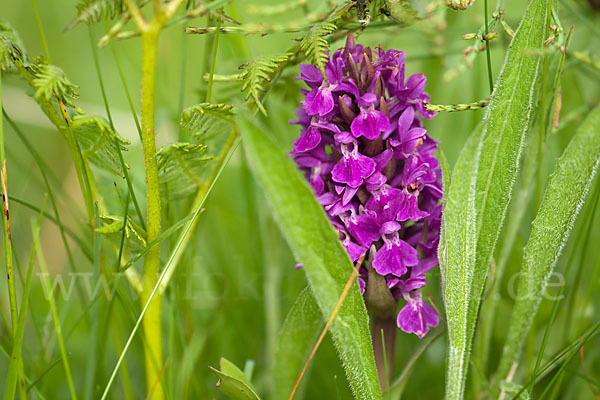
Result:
{"points": [[368, 158]]}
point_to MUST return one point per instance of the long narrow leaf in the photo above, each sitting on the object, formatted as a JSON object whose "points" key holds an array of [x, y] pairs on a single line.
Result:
{"points": [[493, 166], [315, 244], [562, 201], [298, 335]]}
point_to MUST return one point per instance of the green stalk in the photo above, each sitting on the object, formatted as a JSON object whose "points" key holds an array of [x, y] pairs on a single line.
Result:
{"points": [[10, 274], [152, 319], [55, 320]]}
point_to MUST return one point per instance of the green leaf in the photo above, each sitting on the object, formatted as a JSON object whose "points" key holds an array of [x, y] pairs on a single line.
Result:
{"points": [[256, 73], [457, 258], [314, 44], [50, 81], [233, 382], [493, 166], [401, 11], [205, 120], [98, 142], [11, 46], [299, 334], [114, 224], [315, 244], [180, 167], [91, 11], [564, 196]]}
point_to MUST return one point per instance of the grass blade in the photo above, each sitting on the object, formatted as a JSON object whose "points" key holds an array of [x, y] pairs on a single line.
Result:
{"points": [[16, 358], [315, 244], [55, 319], [562, 201]]}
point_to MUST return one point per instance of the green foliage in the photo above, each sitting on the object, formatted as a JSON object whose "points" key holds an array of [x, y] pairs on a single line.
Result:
{"points": [[50, 81], [98, 142], [10, 46], [233, 382], [314, 44], [315, 244], [257, 73], [205, 119], [114, 224], [91, 11], [180, 167], [473, 216], [564, 196], [296, 340]]}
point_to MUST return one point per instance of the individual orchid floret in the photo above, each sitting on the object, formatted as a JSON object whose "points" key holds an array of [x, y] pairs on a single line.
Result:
{"points": [[367, 156]]}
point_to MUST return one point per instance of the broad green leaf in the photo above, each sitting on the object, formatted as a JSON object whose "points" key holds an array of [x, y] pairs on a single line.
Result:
{"points": [[180, 168], [493, 166], [98, 142], [233, 382], [315, 244], [564, 196], [296, 340]]}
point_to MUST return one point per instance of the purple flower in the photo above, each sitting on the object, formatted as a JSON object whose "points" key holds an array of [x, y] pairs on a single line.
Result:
{"points": [[367, 156], [417, 316], [353, 167], [394, 256]]}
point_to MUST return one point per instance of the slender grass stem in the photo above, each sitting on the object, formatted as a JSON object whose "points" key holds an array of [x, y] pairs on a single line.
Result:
{"points": [[487, 48], [127, 92], [56, 320], [38, 21], [108, 114], [213, 61], [176, 250], [12, 292]]}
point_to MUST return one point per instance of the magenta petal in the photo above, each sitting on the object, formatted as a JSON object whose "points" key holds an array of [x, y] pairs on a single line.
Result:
{"points": [[308, 141], [394, 256], [369, 123], [417, 316], [311, 75], [409, 208], [319, 101], [352, 167]]}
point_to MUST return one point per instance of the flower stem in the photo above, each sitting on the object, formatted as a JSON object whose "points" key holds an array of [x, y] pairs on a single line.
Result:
{"points": [[382, 307], [152, 318]]}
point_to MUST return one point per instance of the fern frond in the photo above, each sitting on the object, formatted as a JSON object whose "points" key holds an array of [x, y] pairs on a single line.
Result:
{"points": [[180, 168], [207, 119], [11, 47], [98, 141], [49, 80], [314, 44], [91, 11], [259, 71]]}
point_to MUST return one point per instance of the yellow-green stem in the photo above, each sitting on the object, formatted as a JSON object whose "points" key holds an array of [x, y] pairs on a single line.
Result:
{"points": [[152, 318]]}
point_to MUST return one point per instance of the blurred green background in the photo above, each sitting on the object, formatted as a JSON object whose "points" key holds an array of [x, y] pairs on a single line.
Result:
{"points": [[238, 281]]}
